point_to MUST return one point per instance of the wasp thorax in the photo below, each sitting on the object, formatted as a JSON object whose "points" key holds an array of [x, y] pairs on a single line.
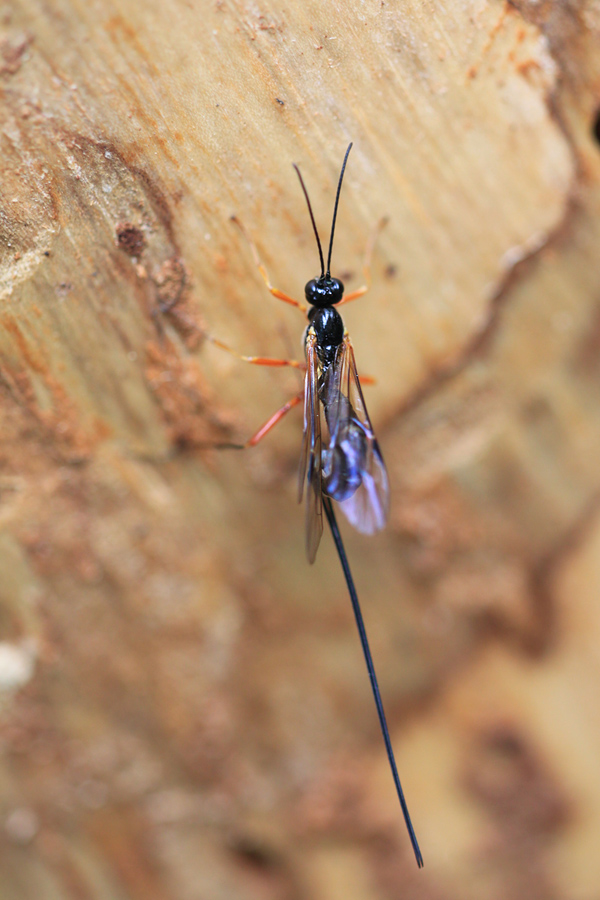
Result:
{"points": [[329, 329], [324, 291]]}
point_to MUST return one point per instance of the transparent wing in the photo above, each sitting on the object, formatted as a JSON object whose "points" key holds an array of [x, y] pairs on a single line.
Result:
{"points": [[311, 457], [354, 473]]}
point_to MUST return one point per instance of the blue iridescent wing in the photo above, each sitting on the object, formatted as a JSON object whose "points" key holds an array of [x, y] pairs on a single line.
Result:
{"points": [[354, 473]]}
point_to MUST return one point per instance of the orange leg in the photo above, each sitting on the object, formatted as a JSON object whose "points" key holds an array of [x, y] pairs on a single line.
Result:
{"points": [[259, 265], [354, 295], [257, 360], [275, 418], [268, 425]]}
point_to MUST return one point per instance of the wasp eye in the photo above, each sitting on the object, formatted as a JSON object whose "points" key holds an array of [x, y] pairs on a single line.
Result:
{"points": [[324, 291]]}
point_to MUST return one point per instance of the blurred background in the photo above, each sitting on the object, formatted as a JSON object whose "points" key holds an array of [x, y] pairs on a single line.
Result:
{"points": [[184, 709]]}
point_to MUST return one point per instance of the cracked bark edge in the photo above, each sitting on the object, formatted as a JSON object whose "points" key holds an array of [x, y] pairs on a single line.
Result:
{"points": [[479, 343]]}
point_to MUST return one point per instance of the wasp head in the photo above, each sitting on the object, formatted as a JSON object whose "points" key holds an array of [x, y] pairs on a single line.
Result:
{"points": [[324, 291]]}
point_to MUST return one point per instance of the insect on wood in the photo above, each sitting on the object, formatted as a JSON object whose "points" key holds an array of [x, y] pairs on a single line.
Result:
{"points": [[341, 459]]}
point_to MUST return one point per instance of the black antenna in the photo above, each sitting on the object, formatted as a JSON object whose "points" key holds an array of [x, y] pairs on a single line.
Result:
{"points": [[335, 208], [312, 219], [368, 658]]}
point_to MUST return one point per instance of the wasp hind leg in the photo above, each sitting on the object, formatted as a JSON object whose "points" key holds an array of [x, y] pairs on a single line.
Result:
{"points": [[266, 427], [277, 416]]}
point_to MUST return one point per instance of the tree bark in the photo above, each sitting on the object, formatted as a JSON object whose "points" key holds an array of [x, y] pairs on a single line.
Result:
{"points": [[184, 711]]}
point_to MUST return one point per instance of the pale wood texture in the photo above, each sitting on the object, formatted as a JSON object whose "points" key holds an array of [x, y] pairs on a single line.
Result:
{"points": [[184, 710]]}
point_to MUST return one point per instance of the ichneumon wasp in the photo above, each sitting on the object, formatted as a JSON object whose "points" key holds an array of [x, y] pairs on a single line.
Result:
{"points": [[341, 459]]}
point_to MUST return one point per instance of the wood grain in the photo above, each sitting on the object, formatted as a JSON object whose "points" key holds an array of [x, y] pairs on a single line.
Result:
{"points": [[184, 711]]}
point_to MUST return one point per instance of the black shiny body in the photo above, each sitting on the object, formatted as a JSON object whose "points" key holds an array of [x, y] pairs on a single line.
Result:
{"points": [[345, 460], [328, 326]]}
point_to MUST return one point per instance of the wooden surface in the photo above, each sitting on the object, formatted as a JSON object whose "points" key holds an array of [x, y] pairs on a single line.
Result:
{"points": [[184, 712]]}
